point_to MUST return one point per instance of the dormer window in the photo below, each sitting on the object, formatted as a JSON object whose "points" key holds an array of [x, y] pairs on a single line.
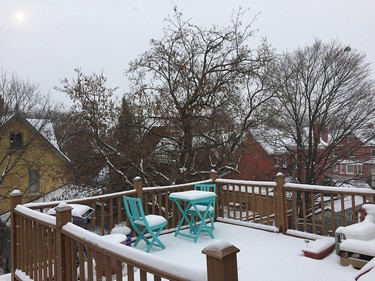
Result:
{"points": [[16, 141]]}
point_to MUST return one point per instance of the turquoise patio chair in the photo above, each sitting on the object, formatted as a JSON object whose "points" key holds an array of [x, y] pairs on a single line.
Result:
{"points": [[202, 207], [142, 224]]}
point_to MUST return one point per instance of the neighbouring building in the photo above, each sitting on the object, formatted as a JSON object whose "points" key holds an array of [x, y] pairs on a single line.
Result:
{"points": [[265, 154], [30, 159]]}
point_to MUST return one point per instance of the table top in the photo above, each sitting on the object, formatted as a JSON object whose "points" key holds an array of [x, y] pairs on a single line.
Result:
{"points": [[115, 237], [192, 195]]}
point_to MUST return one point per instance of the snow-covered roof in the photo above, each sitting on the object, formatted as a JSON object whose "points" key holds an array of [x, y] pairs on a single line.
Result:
{"points": [[45, 127], [275, 141]]}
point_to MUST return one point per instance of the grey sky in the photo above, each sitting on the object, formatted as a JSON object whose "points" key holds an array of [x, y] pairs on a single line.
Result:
{"points": [[45, 40]]}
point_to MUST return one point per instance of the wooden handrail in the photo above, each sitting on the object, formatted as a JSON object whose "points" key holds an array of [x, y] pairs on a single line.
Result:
{"points": [[277, 204]]}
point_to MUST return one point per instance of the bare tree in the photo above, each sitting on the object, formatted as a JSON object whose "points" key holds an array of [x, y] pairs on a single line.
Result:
{"points": [[97, 112], [321, 87], [203, 89], [22, 96]]}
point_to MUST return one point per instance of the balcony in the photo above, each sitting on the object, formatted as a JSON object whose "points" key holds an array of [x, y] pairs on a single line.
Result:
{"points": [[268, 222]]}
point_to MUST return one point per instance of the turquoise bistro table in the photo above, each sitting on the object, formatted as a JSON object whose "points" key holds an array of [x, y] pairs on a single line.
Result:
{"points": [[199, 201]]}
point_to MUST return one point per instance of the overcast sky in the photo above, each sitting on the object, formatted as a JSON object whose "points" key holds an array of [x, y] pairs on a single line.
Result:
{"points": [[45, 40]]}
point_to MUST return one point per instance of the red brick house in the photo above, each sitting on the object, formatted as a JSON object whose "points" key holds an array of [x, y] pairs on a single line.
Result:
{"points": [[359, 162], [261, 159], [265, 154]]}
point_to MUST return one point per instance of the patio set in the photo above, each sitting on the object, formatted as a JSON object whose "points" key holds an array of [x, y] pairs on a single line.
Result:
{"points": [[355, 244], [197, 209]]}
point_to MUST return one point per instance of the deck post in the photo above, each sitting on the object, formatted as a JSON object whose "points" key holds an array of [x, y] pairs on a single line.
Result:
{"points": [[221, 261], [213, 175], [281, 217], [138, 187], [63, 266], [15, 199]]}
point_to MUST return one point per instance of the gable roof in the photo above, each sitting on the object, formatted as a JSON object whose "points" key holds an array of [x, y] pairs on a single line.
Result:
{"points": [[43, 127], [275, 141]]}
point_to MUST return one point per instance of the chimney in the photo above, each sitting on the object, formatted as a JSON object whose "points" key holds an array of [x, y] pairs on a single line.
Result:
{"points": [[325, 135]]}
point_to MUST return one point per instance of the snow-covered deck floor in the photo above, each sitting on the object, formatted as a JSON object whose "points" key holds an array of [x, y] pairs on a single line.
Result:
{"points": [[263, 255]]}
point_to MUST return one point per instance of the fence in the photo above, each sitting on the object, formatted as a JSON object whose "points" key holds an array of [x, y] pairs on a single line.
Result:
{"points": [[44, 247]]}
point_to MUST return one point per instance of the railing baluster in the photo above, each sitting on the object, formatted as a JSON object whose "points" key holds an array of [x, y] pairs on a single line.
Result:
{"points": [[247, 202], [90, 264], [304, 210], [240, 201], [93, 216], [111, 213], [142, 275], [324, 232], [342, 210], [102, 218], [119, 210], [312, 202], [354, 212], [254, 209], [260, 201], [130, 271], [333, 218], [81, 255]]}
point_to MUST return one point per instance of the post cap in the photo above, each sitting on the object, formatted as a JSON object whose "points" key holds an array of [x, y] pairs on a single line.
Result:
{"points": [[137, 179], [63, 207], [15, 192], [220, 249]]}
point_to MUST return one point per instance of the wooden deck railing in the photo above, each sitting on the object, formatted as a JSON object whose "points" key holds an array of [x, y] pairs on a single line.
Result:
{"points": [[275, 206]]}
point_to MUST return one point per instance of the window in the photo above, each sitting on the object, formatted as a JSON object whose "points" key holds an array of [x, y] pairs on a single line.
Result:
{"points": [[350, 169], [15, 141], [373, 152], [334, 153], [284, 161], [34, 182], [351, 153], [342, 169], [276, 161], [359, 169], [335, 168]]}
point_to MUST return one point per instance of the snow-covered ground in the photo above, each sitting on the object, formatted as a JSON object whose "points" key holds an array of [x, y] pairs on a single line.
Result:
{"points": [[263, 255]]}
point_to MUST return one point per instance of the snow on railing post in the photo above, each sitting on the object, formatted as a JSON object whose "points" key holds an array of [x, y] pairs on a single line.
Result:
{"points": [[15, 199], [281, 218], [221, 258], [137, 182], [63, 255], [213, 175]]}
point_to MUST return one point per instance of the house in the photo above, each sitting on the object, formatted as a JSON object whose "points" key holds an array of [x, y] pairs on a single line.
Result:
{"points": [[267, 152], [30, 159], [359, 159], [264, 156]]}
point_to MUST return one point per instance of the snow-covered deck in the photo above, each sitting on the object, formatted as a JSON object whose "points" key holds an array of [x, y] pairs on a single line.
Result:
{"points": [[263, 255]]}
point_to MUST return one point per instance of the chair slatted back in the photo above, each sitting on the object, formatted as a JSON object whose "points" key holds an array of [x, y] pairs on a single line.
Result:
{"points": [[134, 208], [205, 187]]}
